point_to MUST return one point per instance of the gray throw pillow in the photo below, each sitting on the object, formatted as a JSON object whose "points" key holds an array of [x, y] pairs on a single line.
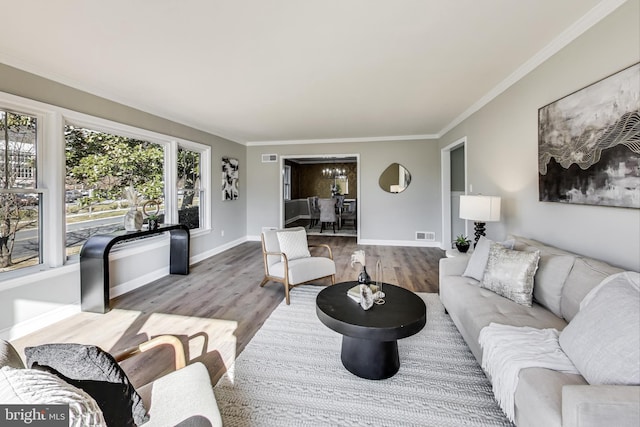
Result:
{"points": [[478, 262], [98, 374], [510, 273], [603, 339]]}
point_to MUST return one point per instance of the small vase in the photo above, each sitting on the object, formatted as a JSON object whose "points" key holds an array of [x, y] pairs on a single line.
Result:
{"points": [[363, 277], [133, 220]]}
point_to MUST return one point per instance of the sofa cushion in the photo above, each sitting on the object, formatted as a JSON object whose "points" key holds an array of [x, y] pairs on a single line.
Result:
{"points": [[9, 356], [603, 339], [293, 244], [585, 275], [538, 397], [554, 267], [510, 273], [96, 372], [472, 308], [196, 406], [480, 255], [30, 386], [552, 272]]}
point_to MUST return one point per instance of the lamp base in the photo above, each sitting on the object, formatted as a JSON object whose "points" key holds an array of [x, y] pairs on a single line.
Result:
{"points": [[479, 229]]}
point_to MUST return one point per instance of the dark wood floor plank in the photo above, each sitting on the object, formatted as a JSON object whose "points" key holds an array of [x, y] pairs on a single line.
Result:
{"points": [[218, 307]]}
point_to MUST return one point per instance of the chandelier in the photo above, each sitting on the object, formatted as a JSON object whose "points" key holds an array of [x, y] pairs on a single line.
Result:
{"points": [[334, 173]]}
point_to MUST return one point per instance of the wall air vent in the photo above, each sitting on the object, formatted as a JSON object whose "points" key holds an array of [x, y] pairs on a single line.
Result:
{"points": [[429, 236], [269, 158]]}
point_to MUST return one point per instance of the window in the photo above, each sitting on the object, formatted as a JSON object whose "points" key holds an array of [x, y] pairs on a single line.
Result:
{"points": [[99, 167], [20, 198], [190, 194], [286, 182], [86, 162]]}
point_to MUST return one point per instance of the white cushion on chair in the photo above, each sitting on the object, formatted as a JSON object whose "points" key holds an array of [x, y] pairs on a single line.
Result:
{"points": [[294, 244], [305, 269]]}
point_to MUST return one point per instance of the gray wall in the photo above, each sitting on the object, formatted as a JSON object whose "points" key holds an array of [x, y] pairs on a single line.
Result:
{"points": [[503, 149], [385, 217], [51, 294]]}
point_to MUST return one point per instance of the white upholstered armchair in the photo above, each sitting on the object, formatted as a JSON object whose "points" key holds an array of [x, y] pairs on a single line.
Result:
{"points": [[287, 259]]}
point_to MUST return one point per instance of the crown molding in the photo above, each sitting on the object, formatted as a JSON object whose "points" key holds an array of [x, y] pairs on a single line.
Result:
{"points": [[595, 15], [343, 140]]}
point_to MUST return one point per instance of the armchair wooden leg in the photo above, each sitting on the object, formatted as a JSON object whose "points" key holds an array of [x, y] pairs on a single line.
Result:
{"points": [[333, 279], [264, 281]]}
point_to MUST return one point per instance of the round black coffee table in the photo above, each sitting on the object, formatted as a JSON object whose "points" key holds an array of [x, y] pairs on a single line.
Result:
{"points": [[369, 337]]}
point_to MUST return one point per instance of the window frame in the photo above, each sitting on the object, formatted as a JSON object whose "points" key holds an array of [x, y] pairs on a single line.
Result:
{"points": [[51, 176]]}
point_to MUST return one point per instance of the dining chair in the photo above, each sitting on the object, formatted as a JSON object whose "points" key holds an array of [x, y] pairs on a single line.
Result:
{"points": [[314, 211], [328, 213]]}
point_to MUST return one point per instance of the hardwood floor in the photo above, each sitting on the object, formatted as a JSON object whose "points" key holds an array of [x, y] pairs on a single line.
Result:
{"points": [[218, 307]]}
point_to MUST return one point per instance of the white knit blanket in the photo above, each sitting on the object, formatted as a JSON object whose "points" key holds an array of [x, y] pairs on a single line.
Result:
{"points": [[508, 349]]}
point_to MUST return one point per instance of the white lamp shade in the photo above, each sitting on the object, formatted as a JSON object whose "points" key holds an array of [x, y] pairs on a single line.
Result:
{"points": [[480, 208]]}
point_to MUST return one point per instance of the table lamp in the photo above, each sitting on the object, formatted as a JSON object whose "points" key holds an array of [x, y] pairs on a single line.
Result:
{"points": [[480, 209]]}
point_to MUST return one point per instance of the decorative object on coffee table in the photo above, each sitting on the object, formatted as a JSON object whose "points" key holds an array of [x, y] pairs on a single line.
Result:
{"points": [[480, 209], [463, 243], [358, 257]]}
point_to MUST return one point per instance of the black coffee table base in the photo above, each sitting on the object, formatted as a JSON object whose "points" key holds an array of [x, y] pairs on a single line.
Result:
{"points": [[373, 360]]}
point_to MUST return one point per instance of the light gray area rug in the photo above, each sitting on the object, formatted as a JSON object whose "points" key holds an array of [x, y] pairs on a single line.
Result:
{"points": [[290, 374]]}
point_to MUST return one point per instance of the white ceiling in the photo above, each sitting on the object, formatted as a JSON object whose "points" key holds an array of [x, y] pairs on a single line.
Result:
{"points": [[288, 70]]}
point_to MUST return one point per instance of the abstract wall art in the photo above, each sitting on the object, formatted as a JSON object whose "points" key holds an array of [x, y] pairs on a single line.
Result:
{"points": [[229, 178], [589, 144]]}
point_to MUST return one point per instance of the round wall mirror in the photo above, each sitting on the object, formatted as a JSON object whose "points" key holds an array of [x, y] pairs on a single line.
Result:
{"points": [[395, 178]]}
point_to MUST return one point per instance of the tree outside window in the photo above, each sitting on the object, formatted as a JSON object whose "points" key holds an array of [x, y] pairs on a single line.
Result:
{"points": [[99, 168], [19, 195], [189, 189]]}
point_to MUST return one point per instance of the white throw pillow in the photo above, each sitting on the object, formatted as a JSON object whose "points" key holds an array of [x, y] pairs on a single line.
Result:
{"points": [[31, 386], [478, 262], [510, 273], [293, 244], [603, 339]]}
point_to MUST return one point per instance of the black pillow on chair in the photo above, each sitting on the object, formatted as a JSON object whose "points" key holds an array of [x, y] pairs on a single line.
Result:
{"points": [[97, 373]]}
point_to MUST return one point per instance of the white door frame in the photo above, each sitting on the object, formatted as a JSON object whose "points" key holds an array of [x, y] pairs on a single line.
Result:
{"points": [[328, 157], [445, 167]]}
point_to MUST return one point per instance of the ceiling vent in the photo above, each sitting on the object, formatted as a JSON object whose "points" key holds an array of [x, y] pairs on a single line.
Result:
{"points": [[429, 236], [269, 158]]}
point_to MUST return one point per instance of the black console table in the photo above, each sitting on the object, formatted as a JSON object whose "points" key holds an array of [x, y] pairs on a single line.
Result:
{"points": [[94, 262]]}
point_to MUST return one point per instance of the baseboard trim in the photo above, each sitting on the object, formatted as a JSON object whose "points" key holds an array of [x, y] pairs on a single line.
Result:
{"points": [[219, 249], [36, 323], [412, 243]]}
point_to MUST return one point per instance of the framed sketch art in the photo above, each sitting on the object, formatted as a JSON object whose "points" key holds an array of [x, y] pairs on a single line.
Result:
{"points": [[229, 178], [589, 144]]}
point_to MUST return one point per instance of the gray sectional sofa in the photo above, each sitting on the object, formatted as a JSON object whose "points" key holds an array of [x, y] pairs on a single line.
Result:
{"points": [[543, 397]]}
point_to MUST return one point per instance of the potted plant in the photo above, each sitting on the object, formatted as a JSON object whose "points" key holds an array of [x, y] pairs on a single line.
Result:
{"points": [[463, 243]]}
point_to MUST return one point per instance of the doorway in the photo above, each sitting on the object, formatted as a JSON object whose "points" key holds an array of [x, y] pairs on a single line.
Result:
{"points": [[454, 184], [325, 177]]}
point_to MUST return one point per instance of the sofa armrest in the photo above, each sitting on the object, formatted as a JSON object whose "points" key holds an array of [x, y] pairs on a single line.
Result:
{"points": [[453, 266], [170, 340], [600, 405]]}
